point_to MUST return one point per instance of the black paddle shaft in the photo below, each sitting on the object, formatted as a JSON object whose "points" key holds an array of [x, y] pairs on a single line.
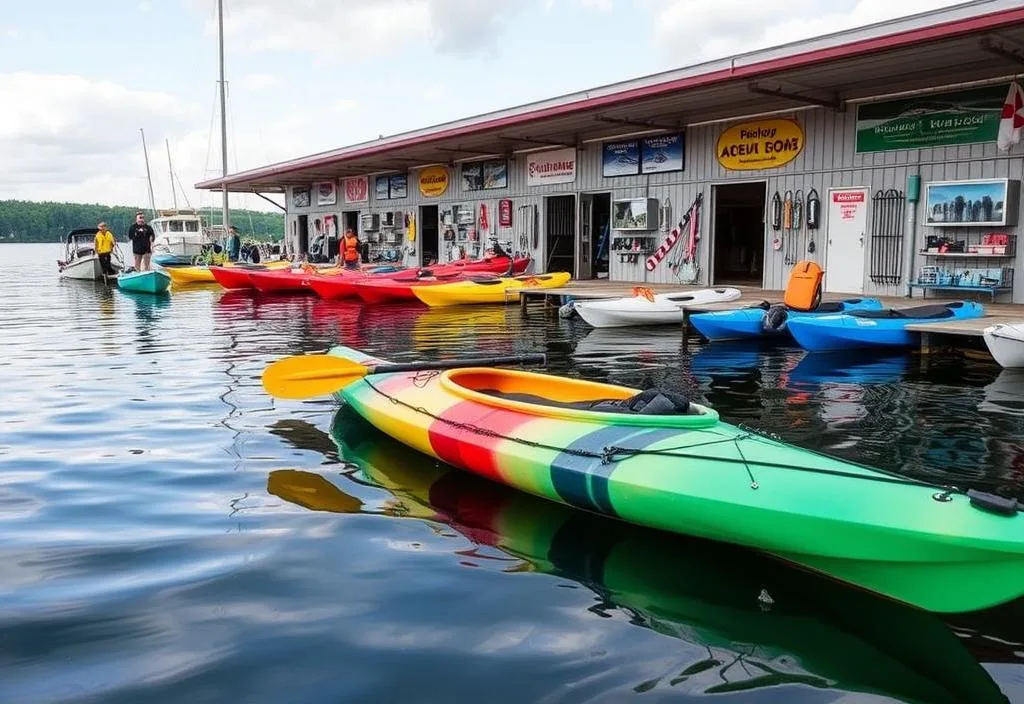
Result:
{"points": [[457, 363]]}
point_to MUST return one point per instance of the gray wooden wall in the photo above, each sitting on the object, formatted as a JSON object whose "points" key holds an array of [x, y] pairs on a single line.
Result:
{"points": [[827, 160]]}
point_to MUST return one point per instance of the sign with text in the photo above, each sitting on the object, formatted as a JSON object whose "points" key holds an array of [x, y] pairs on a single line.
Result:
{"points": [[935, 120], [433, 181], [556, 166], [762, 144]]}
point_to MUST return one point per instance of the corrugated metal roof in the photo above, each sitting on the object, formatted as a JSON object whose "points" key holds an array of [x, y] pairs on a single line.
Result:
{"points": [[907, 53]]}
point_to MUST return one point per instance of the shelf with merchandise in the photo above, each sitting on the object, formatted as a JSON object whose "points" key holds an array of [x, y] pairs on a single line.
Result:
{"points": [[992, 248]]}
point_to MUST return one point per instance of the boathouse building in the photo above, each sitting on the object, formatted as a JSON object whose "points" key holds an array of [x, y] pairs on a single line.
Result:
{"points": [[875, 152]]}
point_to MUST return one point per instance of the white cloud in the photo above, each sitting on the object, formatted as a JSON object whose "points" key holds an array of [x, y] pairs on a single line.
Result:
{"points": [[602, 5], [689, 31], [77, 139], [257, 81], [345, 28]]}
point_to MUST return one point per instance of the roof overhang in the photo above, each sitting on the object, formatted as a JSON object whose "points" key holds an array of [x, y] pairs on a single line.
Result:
{"points": [[969, 43]]}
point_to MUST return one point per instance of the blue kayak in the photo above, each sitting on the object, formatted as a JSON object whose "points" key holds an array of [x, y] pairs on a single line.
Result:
{"points": [[767, 320], [153, 281], [875, 328]]}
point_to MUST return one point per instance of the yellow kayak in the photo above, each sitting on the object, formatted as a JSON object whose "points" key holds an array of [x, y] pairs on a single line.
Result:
{"points": [[203, 275], [497, 290]]}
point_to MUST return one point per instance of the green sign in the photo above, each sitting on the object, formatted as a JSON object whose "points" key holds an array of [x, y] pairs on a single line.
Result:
{"points": [[936, 120]]}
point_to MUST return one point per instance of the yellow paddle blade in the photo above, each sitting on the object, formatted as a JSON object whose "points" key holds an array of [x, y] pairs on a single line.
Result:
{"points": [[311, 491], [305, 376]]}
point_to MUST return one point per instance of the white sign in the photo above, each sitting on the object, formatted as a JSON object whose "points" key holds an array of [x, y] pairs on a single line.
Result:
{"points": [[558, 166], [847, 223]]}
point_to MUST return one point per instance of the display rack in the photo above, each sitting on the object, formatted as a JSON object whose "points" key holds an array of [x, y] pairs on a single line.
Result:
{"points": [[953, 267]]}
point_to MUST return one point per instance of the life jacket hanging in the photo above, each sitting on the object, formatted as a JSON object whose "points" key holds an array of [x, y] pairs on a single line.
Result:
{"points": [[813, 210], [776, 211]]}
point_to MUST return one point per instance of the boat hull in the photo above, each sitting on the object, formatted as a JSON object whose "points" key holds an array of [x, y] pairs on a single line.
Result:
{"points": [[748, 323], [1006, 344], [375, 291], [664, 309], [287, 280], [497, 290], [712, 481], [864, 330], [190, 274], [153, 281], [86, 268]]}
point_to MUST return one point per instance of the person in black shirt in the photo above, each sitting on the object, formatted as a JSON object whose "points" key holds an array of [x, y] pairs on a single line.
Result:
{"points": [[142, 237]]}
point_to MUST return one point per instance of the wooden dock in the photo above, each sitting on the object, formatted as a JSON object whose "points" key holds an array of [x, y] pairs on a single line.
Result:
{"points": [[552, 299]]}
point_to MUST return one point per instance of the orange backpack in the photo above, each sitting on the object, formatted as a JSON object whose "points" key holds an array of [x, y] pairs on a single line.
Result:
{"points": [[804, 289]]}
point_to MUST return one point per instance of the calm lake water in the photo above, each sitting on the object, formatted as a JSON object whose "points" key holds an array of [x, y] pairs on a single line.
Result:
{"points": [[170, 533]]}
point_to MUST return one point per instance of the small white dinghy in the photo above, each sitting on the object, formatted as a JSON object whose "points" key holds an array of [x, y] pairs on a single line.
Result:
{"points": [[1006, 343], [646, 308]]}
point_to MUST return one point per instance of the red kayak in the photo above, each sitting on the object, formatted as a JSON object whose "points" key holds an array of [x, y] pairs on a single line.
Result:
{"points": [[233, 276], [333, 287], [383, 290], [489, 264], [289, 280]]}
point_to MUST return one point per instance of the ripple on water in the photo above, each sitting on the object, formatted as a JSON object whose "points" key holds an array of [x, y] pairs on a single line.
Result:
{"points": [[146, 559]]}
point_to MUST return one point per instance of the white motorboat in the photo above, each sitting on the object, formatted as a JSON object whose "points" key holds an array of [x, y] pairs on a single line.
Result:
{"points": [[80, 259], [181, 235], [1005, 342], [647, 308]]}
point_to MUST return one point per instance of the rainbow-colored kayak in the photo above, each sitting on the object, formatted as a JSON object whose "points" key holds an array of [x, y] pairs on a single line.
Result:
{"points": [[814, 632], [496, 290], [653, 459]]}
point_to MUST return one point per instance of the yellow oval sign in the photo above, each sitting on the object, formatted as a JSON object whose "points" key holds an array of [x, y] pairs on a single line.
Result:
{"points": [[764, 144], [433, 181]]}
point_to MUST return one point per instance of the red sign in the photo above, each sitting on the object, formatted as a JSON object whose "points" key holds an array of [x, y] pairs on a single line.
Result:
{"points": [[848, 197], [505, 213]]}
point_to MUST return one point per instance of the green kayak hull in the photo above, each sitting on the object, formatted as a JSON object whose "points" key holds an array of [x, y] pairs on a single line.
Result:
{"points": [[697, 475], [814, 632]]}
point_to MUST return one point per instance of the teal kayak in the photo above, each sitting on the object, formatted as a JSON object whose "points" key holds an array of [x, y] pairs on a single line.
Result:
{"points": [[153, 281]]}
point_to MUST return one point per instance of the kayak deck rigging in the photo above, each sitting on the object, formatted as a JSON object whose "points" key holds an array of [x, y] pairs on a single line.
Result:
{"points": [[614, 453]]}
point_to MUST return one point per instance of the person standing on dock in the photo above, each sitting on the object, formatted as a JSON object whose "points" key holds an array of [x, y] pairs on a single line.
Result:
{"points": [[104, 246], [350, 250], [234, 244], [142, 237]]}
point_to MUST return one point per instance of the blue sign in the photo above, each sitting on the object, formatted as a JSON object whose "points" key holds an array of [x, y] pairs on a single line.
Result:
{"points": [[620, 158], [663, 153]]}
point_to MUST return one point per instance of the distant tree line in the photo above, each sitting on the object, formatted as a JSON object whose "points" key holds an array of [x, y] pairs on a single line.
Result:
{"points": [[46, 221]]}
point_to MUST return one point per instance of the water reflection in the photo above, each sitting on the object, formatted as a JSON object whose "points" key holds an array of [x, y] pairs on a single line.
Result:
{"points": [[757, 623]]}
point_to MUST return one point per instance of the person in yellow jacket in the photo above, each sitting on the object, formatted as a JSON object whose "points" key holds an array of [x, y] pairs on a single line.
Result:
{"points": [[104, 245]]}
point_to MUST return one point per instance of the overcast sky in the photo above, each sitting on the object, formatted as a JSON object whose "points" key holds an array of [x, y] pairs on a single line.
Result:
{"points": [[309, 75]]}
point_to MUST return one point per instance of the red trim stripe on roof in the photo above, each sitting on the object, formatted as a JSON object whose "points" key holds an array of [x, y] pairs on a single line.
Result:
{"points": [[944, 30]]}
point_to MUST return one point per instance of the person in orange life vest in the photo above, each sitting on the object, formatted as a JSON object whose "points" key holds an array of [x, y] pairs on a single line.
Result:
{"points": [[350, 250]]}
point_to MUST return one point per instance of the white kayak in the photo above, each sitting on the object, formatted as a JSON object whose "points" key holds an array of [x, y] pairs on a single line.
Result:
{"points": [[1006, 343], [647, 308]]}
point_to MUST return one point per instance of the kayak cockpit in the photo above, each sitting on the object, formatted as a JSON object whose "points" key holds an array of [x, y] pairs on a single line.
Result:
{"points": [[576, 399]]}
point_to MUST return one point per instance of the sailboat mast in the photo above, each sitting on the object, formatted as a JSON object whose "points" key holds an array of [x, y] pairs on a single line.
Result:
{"points": [[149, 179], [223, 115], [170, 167]]}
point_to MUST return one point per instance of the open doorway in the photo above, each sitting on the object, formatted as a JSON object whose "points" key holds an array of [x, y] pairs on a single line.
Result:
{"points": [[350, 221], [560, 233], [303, 243], [595, 221], [739, 233], [428, 227]]}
